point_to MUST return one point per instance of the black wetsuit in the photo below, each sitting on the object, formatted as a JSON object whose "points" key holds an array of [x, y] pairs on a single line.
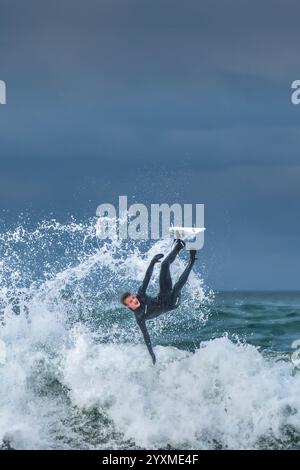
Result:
{"points": [[168, 297]]}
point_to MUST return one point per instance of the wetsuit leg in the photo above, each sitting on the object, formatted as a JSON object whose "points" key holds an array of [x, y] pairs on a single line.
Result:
{"points": [[182, 280], [165, 280]]}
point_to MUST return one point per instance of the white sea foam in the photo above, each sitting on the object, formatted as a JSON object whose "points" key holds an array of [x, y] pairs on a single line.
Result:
{"points": [[224, 392], [69, 362]]}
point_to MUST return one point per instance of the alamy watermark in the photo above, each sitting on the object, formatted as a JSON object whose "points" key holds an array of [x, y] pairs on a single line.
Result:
{"points": [[295, 98], [2, 92], [140, 222]]}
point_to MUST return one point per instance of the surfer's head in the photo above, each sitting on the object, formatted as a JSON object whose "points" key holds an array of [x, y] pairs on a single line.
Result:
{"points": [[131, 301]]}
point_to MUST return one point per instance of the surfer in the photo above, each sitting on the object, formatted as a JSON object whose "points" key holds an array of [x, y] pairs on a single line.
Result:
{"points": [[145, 307]]}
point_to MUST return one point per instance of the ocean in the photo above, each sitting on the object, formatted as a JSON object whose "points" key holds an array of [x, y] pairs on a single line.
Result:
{"points": [[75, 373]]}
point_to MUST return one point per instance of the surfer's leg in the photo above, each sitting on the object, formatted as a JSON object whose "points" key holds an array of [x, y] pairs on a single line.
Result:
{"points": [[165, 280], [184, 276]]}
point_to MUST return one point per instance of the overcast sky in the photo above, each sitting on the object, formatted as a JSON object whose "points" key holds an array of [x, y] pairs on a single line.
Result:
{"points": [[163, 101]]}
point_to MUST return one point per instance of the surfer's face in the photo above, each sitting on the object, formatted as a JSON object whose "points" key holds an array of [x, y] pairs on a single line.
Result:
{"points": [[132, 302]]}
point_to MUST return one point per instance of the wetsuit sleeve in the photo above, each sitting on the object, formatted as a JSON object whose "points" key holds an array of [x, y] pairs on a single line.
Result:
{"points": [[143, 287], [142, 325]]}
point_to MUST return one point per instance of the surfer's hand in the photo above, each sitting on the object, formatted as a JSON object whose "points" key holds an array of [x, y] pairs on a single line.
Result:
{"points": [[156, 258]]}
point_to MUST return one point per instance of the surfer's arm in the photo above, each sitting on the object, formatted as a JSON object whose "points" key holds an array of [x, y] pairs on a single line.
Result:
{"points": [[143, 288], [142, 325]]}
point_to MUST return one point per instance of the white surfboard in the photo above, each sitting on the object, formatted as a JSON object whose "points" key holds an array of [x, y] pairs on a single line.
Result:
{"points": [[186, 232]]}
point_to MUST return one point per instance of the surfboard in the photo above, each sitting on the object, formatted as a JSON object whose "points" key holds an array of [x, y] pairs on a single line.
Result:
{"points": [[186, 232]]}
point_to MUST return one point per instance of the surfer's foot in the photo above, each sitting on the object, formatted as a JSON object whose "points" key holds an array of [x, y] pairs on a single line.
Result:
{"points": [[193, 255], [180, 244]]}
